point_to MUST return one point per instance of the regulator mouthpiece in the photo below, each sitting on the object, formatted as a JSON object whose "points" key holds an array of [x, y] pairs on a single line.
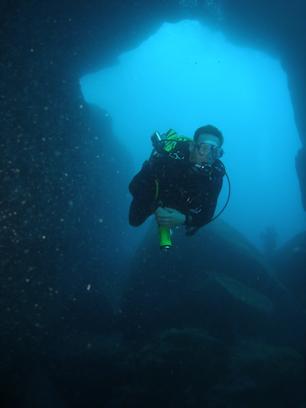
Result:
{"points": [[165, 242]]}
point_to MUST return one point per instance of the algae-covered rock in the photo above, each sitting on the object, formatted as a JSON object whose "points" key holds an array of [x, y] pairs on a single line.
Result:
{"points": [[185, 352], [174, 369], [244, 294], [190, 368], [276, 373], [268, 364]]}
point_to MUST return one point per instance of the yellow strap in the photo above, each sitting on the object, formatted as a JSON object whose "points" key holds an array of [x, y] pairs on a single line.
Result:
{"points": [[156, 189]]}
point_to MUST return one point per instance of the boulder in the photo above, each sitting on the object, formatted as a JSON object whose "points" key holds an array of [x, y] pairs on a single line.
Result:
{"points": [[215, 280]]}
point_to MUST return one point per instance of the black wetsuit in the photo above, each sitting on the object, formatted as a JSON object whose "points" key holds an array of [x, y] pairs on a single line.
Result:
{"points": [[171, 180]]}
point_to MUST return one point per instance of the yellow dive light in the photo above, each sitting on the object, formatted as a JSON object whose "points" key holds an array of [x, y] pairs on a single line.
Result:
{"points": [[164, 237]]}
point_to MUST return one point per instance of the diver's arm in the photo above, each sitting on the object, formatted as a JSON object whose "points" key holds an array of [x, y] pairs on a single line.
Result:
{"points": [[143, 183]]}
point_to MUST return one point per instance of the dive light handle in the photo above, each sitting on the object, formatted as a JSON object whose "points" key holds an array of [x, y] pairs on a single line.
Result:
{"points": [[164, 237]]}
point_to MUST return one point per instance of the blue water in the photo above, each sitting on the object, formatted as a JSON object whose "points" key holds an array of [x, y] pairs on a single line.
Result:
{"points": [[187, 75]]}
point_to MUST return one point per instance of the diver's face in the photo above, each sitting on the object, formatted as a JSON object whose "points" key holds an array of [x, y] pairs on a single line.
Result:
{"points": [[203, 152]]}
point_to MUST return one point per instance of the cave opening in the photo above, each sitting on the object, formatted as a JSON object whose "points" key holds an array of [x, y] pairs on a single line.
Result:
{"points": [[186, 75]]}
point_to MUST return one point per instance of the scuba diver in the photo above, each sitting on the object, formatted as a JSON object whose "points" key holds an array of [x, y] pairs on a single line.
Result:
{"points": [[181, 181]]}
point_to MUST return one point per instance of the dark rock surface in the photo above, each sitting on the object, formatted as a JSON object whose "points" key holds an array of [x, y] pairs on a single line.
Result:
{"points": [[215, 280], [175, 368], [290, 267], [300, 164]]}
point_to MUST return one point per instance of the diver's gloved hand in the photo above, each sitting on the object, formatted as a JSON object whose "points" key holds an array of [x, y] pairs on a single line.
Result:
{"points": [[169, 217]]}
